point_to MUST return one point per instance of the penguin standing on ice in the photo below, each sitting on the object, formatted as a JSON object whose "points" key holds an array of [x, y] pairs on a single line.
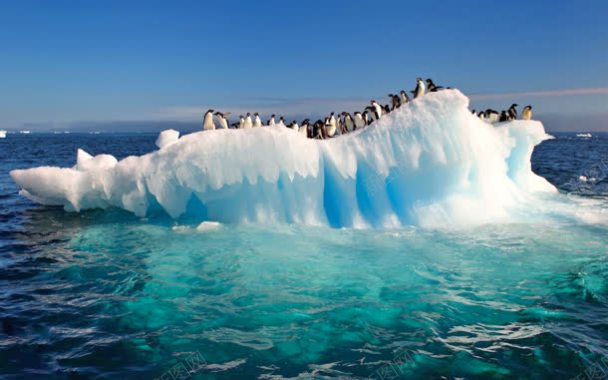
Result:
{"points": [[318, 130], [377, 108], [282, 121], [512, 112], [223, 119], [492, 115], [294, 125], [271, 122], [349, 124], [503, 116], [257, 122], [304, 127], [431, 86], [420, 88], [526, 114], [403, 97], [359, 120], [395, 101], [330, 125], [208, 123], [248, 122]]}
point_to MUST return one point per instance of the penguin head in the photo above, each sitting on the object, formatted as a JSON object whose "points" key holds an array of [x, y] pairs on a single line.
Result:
{"points": [[241, 117], [248, 114], [529, 107], [210, 111], [256, 114], [513, 105], [272, 116], [418, 79]]}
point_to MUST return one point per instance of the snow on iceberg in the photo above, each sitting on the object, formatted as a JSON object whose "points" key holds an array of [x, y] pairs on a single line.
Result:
{"points": [[430, 163]]}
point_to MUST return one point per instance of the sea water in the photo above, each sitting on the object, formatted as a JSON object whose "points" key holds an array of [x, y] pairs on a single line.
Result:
{"points": [[106, 294]]}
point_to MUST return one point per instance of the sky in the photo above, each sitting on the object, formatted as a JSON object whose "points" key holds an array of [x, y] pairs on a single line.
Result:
{"points": [[69, 64]]}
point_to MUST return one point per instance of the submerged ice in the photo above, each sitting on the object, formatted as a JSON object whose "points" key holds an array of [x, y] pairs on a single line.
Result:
{"points": [[430, 163]]}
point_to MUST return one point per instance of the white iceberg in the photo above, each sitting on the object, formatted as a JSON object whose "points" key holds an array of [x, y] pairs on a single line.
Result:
{"points": [[429, 163]]}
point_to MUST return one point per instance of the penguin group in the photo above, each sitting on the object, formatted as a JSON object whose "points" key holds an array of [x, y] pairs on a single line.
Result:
{"points": [[493, 116], [333, 125]]}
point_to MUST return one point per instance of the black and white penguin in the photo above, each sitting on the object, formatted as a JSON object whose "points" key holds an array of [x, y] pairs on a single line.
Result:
{"points": [[420, 88], [503, 117], [304, 127], [395, 101], [512, 112], [330, 125], [294, 125], [271, 122], [386, 110], [282, 121], [403, 97], [241, 121], [492, 115], [208, 123], [223, 119], [248, 122], [359, 120], [481, 115], [371, 113], [349, 123], [431, 86], [339, 123], [377, 108], [318, 130], [526, 114], [257, 122]]}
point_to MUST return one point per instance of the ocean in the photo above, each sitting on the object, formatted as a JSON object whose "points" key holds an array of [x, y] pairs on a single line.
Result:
{"points": [[106, 294]]}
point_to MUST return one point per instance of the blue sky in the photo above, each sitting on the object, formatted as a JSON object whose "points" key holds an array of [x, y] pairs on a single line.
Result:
{"points": [[81, 61]]}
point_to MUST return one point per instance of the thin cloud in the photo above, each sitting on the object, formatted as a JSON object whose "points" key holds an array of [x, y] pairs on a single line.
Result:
{"points": [[547, 93]]}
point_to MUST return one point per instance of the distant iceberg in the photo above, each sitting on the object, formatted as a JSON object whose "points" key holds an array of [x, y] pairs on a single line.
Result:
{"points": [[429, 163], [584, 135]]}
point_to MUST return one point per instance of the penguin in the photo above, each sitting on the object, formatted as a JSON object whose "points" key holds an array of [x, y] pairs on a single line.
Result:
{"points": [[359, 120], [420, 88], [431, 86], [526, 114], [330, 125], [349, 123], [282, 121], [377, 108], [473, 112], [248, 123], [371, 115], [492, 115], [339, 124], [257, 122], [223, 119], [208, 123], [294, 125], [386, 110], [512, 112], [304, 127], [395, 101], [271, 122], [318, 130], [503, 117], [403, 97], [481, 115]]}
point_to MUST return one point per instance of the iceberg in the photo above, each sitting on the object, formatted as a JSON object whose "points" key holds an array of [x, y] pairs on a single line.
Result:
{"points": [[429, 163]]}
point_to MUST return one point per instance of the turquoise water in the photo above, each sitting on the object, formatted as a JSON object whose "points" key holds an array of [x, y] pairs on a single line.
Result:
{"points": [[103, 294]]}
